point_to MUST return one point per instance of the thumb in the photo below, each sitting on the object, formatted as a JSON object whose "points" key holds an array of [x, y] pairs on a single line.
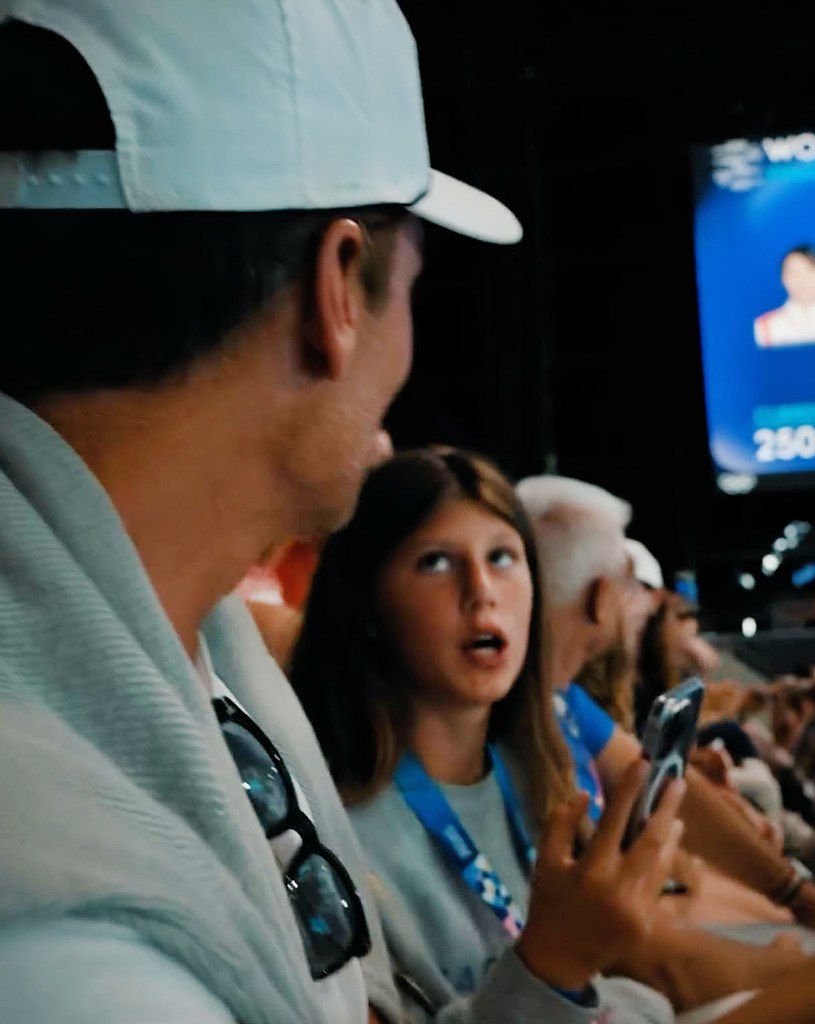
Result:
{"points": [[557, 839]]}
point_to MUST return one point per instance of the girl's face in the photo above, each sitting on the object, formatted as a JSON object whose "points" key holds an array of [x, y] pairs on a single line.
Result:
{"points": [[456, 600]]}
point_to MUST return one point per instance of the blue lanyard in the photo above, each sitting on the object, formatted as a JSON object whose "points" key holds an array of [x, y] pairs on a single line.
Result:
{"points": [[427, 801]]}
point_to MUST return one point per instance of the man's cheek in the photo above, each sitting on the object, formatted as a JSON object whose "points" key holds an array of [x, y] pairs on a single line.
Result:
{"points": [[405, 350]]}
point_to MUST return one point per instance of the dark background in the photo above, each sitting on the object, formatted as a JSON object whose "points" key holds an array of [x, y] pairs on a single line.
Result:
{"points": [[578, 351]]}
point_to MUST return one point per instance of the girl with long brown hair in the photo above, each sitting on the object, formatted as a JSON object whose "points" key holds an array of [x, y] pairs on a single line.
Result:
{"points": [[419, 666]]}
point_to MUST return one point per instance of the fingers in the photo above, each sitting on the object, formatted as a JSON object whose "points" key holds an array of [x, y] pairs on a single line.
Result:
{"points": [[657, 869], [669, 804], [654, 849], [671, 847], [610, 831], [556, 846]]}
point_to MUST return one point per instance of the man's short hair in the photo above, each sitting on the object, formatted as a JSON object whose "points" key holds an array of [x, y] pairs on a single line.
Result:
{"points": [[807, 251], [105, 299], [231, 120], [580, 530]]}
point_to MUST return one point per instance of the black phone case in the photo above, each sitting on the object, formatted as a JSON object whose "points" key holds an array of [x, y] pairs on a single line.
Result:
{"points": [[666, 741]]}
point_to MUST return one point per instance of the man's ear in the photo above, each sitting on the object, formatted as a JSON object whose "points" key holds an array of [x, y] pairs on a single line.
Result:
{"points": [[332, 330], [599, 607]]}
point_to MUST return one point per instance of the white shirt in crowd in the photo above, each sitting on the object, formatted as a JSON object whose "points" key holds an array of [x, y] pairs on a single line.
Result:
{"points": [[790, 324]]}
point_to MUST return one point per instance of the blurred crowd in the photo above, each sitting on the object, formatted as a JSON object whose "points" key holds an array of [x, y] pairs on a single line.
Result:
{"points": [[616, 639], [295, 729]]}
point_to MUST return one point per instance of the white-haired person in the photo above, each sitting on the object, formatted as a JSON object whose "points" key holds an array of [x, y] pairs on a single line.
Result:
{"points": [[611, 677], [589, 580]]}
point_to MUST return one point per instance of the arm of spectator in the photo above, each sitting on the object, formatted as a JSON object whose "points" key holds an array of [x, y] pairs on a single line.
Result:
{"points": [[693, 967], [703, 658], [714, 764], [511, 994], [765, 828], [716, 830], [790, 999]]}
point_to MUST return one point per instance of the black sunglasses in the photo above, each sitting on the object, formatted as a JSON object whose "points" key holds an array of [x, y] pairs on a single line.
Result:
{"points": [[325, 901]]}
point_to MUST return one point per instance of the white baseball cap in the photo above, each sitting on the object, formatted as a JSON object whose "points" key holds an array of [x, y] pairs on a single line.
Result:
{"points": [[248, 105], [646, 567]]}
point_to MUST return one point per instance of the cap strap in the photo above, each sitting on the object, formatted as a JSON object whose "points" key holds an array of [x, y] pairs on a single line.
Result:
{"points": [[87, 179]]}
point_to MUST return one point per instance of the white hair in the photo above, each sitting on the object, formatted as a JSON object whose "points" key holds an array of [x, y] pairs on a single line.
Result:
{"points": [[580, 530]]}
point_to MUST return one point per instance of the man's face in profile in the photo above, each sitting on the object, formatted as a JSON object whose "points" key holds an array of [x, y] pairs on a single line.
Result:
{"points": [[345, 437], [798, 278]]}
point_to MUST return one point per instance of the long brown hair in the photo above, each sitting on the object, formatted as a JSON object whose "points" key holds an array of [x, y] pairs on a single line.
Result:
{"points": [[347, 675]]}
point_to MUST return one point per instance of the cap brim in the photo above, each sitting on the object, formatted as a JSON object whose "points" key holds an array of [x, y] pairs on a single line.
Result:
{"points": [[464, 209]]}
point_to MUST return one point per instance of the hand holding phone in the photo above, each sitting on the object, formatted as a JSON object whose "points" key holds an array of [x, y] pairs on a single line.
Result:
{"points": [[586, 912]]}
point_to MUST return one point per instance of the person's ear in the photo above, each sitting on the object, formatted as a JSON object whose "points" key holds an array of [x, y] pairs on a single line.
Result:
{"points": [[600, 605], [339, 300]]}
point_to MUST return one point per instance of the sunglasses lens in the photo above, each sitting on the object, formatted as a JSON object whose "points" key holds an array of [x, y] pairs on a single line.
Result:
{"points": [[325, 903], [329, 914], [260, 777]]}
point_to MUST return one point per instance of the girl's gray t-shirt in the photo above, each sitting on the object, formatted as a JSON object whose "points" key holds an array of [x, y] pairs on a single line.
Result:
{"points": [[441, 935]]}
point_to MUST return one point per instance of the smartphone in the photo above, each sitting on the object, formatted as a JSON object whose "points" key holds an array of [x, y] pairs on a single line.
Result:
{"points": [[666, 741]]}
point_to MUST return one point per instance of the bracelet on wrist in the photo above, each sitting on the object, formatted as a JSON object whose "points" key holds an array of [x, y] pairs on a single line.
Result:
{"points": [[799, 874]]}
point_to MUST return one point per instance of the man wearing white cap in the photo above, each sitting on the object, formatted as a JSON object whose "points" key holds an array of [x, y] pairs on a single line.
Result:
{"points": [[210, 217]]}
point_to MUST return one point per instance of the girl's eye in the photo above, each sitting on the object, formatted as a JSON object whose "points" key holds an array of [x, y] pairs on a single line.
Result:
{"points": [[433, 562], [503, 558]]}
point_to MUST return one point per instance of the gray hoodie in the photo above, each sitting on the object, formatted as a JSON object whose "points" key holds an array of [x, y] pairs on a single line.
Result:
{"points": [[124, 823]]}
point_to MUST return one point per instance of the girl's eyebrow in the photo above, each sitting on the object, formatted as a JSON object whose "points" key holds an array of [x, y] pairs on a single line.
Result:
{"points": [[506, 534]]}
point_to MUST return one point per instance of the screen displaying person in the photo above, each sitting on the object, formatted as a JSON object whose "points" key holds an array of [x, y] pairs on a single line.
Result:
{"points": [[794, 322]]}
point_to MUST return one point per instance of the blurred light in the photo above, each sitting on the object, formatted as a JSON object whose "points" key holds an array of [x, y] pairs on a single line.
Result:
{"points": [[796, 531], [736, 483], [769, 563], [747, 581], [749, 627], [781, 545], [804, 575]]}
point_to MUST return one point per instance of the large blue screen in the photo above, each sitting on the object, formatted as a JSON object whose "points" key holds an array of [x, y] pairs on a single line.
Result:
{"points": [[755, 260]]}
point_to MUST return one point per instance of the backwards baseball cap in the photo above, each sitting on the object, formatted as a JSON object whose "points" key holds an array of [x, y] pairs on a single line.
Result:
{"points": [[248, 105], [645, 566]]}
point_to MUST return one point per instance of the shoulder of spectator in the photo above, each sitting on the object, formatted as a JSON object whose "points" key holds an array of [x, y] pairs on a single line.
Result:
{"points": [[70, 971]]}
